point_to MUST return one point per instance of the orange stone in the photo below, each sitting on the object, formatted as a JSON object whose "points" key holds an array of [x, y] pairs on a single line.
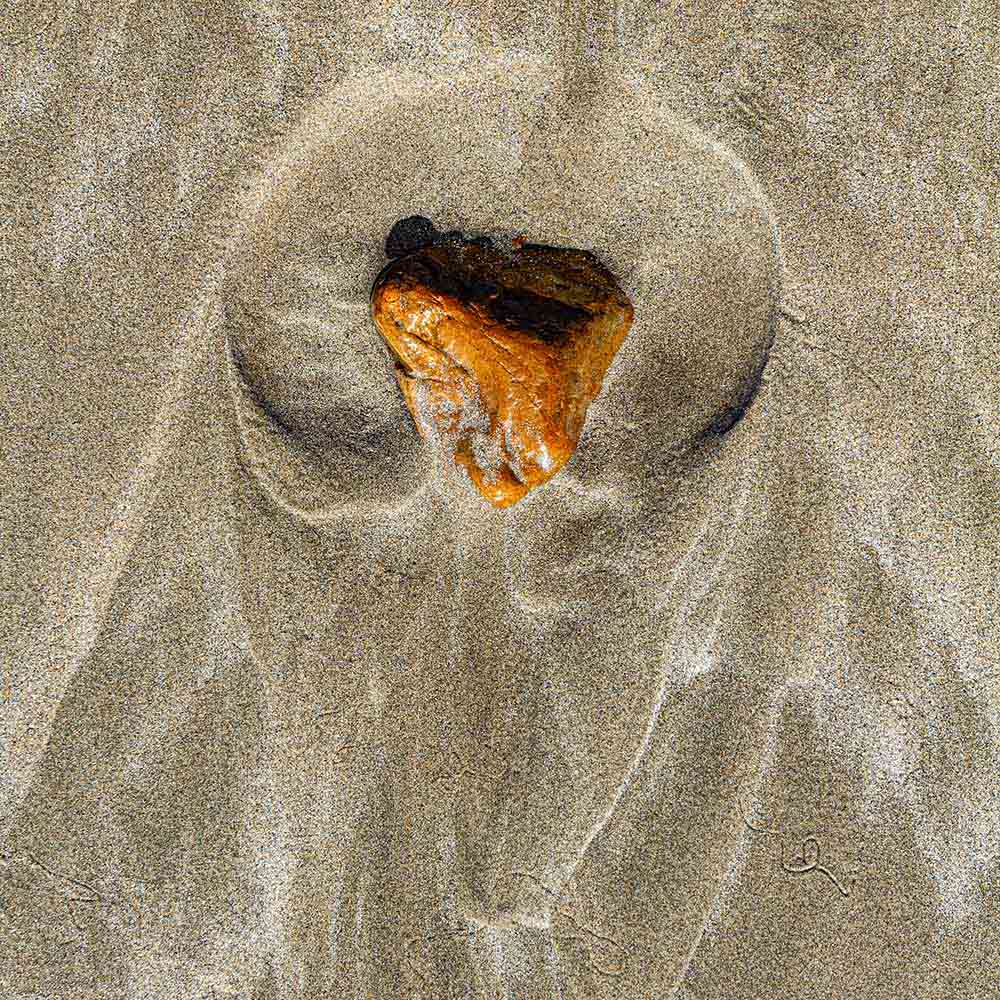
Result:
{"points": [[499, 354]]}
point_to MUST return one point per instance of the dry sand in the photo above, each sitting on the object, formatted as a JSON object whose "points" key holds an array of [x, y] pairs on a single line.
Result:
{"points": [[288, 711]]}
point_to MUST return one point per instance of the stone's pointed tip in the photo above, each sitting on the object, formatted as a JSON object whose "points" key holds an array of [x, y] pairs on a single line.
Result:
{"points": [[505, 503]]}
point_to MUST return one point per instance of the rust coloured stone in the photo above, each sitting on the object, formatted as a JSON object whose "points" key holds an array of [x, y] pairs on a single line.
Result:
{"points": [[499, 354]]}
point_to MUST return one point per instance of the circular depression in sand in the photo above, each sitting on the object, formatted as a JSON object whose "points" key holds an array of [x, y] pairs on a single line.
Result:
{"points": [[489, 144]]}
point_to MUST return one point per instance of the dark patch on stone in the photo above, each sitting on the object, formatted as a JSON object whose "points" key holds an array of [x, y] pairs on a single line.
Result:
{"points": [[548, 319], [545, 318]]}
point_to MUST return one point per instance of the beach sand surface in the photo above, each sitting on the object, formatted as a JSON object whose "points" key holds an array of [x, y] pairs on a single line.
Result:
{"points": [[288, 712]]}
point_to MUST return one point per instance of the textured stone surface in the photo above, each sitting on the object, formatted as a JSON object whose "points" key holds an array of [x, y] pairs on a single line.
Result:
{"points": [[499, 351]]}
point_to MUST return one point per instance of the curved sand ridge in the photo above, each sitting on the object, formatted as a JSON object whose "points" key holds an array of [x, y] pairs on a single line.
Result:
{"points": [[676, 217]]}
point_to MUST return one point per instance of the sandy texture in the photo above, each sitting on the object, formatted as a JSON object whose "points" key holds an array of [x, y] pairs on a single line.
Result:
{"points": [[288, 711]]}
